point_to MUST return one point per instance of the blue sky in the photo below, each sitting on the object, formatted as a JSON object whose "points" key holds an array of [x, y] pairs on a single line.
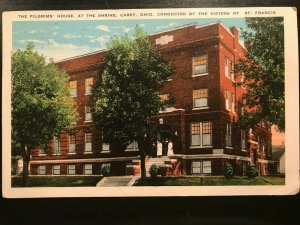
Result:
{"points": [[64, 39]]}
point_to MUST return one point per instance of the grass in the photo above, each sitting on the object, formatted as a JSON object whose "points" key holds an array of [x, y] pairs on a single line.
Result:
{"points": [[58, 181], [212, 181]]}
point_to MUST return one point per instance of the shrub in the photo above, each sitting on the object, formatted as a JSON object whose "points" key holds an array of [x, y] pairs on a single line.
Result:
{"points": [[106, 170], [228, 170], [153, 171], [163, 171], [252, 172]]}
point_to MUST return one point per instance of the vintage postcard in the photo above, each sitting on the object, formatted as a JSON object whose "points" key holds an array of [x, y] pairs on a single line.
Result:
{"points": [[150, 102]]}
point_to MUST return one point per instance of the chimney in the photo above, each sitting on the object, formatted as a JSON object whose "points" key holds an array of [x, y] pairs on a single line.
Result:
{"points": [[235, 33]]}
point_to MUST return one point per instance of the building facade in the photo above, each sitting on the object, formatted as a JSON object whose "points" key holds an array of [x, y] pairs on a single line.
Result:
{"points": [[201, 124]]}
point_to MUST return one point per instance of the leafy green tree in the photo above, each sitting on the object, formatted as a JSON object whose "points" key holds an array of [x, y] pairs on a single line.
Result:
{"points": [[126, 94], [41, 103], [263, 69]]}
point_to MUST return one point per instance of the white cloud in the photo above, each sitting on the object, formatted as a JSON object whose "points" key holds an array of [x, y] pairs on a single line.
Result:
{"points": [[103, 28], [127, 29], [59, 51], [72, 35], [25, 42], [166, 26], [103, 40]]}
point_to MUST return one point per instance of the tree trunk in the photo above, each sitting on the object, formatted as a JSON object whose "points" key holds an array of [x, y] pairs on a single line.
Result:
{"points": [[26, 158], [143, 166]]}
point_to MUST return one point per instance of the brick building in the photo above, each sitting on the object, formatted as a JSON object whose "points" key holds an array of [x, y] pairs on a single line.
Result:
{"points": [[201, 124]]}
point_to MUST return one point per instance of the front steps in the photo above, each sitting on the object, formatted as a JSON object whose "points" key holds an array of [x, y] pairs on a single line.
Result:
{"points": [[165, 162]]}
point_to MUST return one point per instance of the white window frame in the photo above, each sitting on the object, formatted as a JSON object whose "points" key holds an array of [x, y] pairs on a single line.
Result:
{"points": [[88, 115], [57, 146], [88, 146], [56, 169], [228, 138], [232, 102], [133, 146], [227, 99], [201, 166], [232, 72], [88, 171], [73, 91], [88, 88], [42, 150], [73, 170], [202, 99], [72, 145], [105, 146], [201, 73], [201, 134], [41, 171], [226, 66]]}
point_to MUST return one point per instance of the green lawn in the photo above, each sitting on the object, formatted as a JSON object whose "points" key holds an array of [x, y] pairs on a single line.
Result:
{"points": [[212, 181], [58, 181]]}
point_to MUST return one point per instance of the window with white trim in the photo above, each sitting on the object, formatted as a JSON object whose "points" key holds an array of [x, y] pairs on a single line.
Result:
{"points": [[200, 65], [56, 169], [88, 114], [243, 139], [133, 146], [88, 85], [72, 143], [201, 134], [42, 170], [201, 167], [228, 134], [227, 100], [56, 146], [88, 169], [71, 169], [233, 102], [200, 98], [105, 146], [73, 88], [226, 62], [232, 72], [88, 142]]}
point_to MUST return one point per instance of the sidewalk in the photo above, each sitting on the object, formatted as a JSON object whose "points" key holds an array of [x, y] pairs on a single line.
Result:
{"points": [[117, 181]]}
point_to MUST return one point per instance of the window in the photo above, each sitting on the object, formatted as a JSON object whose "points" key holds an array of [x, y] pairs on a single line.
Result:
{"points": [[43, 150], [105, 146], [88, 85], [133, 146], [200, 98], [227, 99], [88, 142], [72, 143], [88, 114], [56, 169], [201, 167], [201, 134], [232, 72], [226, 67], [71, 169], [56, 146], [233, 102], [164, 97], [73, 88], [243, 139], [228, 134], [41, 170], [200, 65], [88, 168]]}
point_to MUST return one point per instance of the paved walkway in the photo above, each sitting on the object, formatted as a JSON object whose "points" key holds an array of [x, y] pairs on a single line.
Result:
{"points": [[117, 181]]}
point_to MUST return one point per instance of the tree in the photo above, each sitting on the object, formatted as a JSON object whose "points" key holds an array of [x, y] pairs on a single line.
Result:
{"points": [[126, 93], [41, 103], [263, 69]]}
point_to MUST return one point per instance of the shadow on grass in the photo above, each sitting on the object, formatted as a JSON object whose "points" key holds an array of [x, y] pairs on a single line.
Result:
{"points": [[57, 181], [212, 181]]}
